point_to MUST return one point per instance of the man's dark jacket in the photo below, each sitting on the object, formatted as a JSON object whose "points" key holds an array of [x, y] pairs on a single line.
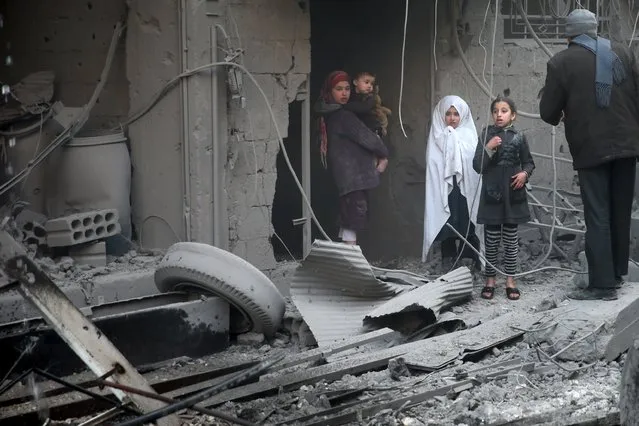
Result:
{"points": [[595, 135]]}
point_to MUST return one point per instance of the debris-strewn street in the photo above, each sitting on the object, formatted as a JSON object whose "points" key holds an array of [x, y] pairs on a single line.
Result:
{"points": [[541, 360]]}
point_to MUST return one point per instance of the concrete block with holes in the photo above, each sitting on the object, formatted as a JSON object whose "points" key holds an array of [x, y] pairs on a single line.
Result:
{"points": [[82, 227], [34, 233]]}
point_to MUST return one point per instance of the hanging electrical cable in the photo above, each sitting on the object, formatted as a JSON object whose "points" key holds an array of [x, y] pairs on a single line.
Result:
{"points": [[553, 147], [401, 77]]}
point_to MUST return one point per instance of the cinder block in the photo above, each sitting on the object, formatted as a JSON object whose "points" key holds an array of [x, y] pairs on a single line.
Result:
{"points": [[93, 254], [34, 233], [82, 227]]}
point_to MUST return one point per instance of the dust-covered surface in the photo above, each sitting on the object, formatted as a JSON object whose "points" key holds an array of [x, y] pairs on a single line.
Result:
{"points": [[535, 390], [65, 271]]}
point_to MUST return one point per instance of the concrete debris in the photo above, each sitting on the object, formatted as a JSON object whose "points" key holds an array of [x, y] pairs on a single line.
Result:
{"points": [[127, 277], [545, 361], [334, 288], [250, 339], [93, 254], [82, 227], [594, 330], [420, 307]]}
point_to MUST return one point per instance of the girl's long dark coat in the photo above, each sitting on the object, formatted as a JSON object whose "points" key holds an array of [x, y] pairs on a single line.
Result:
{"points": [[499, 202]]}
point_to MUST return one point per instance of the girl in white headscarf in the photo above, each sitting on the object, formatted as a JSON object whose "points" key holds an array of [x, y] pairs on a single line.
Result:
{"points": [[451, 182]]}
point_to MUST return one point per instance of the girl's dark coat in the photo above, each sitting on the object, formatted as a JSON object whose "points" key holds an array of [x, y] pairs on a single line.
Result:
{"points": [[499, 202]]}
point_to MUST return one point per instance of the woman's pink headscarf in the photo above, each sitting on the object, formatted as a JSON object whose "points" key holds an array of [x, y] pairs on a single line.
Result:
{"points": [[331, 81]]}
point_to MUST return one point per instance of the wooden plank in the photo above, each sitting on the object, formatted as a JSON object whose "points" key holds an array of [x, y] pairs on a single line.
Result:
{"points": [[356, 365], [320, 353], [454, 343]]}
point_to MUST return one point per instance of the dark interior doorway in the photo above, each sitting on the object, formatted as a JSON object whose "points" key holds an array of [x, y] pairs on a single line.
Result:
{"points": [[351, 35], [287, 203]]}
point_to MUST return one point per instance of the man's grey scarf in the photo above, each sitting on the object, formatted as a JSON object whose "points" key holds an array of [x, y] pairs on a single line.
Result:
{"points": [[609, 68]]}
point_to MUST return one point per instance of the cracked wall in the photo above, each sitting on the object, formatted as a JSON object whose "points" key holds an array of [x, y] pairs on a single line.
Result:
{"points": [[275, 35], [70, 37]]}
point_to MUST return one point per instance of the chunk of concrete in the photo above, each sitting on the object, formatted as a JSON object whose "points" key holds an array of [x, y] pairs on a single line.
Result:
{"points": [[116, 286], [93, 254], [594, 329]]}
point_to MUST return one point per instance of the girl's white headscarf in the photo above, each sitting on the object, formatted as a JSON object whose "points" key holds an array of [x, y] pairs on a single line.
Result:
{"points": [[449, 153]]}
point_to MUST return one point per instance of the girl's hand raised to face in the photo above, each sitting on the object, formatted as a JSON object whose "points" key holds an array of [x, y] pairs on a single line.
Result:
{"points": [[494, 143]]}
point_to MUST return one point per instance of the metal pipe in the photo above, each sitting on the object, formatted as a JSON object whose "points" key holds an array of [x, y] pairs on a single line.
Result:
{"points": [[306, 167], [546, 206], [87, 392], [186, 143], [545, 188], [557, 228], [550, 157], [217, 172], [205, 394], [524, 16], [203, 410]]}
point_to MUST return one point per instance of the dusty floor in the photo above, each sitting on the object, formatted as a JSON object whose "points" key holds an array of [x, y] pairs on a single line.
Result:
{"points": [[553, 393]]}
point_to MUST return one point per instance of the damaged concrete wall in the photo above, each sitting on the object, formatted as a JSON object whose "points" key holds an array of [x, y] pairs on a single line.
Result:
{"points": [[152, 59], [519, 68], [70, 37], [276, 37]]}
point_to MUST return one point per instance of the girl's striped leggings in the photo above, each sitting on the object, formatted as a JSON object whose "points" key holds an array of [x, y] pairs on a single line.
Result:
{"points": [[493, 236]]}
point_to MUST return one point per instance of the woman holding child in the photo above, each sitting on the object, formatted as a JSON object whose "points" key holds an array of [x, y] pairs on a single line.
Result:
{"points": [[451, 183], [353, 151]]}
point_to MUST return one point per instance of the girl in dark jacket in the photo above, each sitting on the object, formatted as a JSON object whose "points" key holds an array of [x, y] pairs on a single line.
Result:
{"points": [[352, 150], [503, 159]]}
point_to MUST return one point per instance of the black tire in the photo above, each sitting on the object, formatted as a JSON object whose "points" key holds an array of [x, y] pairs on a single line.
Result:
{"points": [[256, 304]]}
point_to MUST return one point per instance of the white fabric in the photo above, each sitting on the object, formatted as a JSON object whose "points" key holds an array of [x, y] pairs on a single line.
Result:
{"points": [[347, 235], [449, 153]]}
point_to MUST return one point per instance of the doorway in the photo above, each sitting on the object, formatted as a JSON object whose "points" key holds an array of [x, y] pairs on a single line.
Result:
{"points": [[366, 35]]}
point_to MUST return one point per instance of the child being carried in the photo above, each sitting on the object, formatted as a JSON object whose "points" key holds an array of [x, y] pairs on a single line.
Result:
{"points": [[366, 103]]}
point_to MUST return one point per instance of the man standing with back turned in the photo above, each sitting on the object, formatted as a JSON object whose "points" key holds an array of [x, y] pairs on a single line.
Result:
{"points": [[594, 88]]}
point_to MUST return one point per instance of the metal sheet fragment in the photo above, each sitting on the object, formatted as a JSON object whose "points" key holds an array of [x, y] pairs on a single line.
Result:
{"points": [[334, 288], [424, 303]]}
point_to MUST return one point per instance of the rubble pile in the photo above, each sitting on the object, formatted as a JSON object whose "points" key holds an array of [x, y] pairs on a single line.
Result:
{"points": [[548, 360]]}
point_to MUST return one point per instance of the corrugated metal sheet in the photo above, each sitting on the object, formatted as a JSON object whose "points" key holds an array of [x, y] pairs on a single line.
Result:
{"points": [[334, 288], [432, 297]]}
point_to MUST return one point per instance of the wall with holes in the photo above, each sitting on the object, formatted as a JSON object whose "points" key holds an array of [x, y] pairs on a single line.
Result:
{"points": [[70, 37], [519, 69]]}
